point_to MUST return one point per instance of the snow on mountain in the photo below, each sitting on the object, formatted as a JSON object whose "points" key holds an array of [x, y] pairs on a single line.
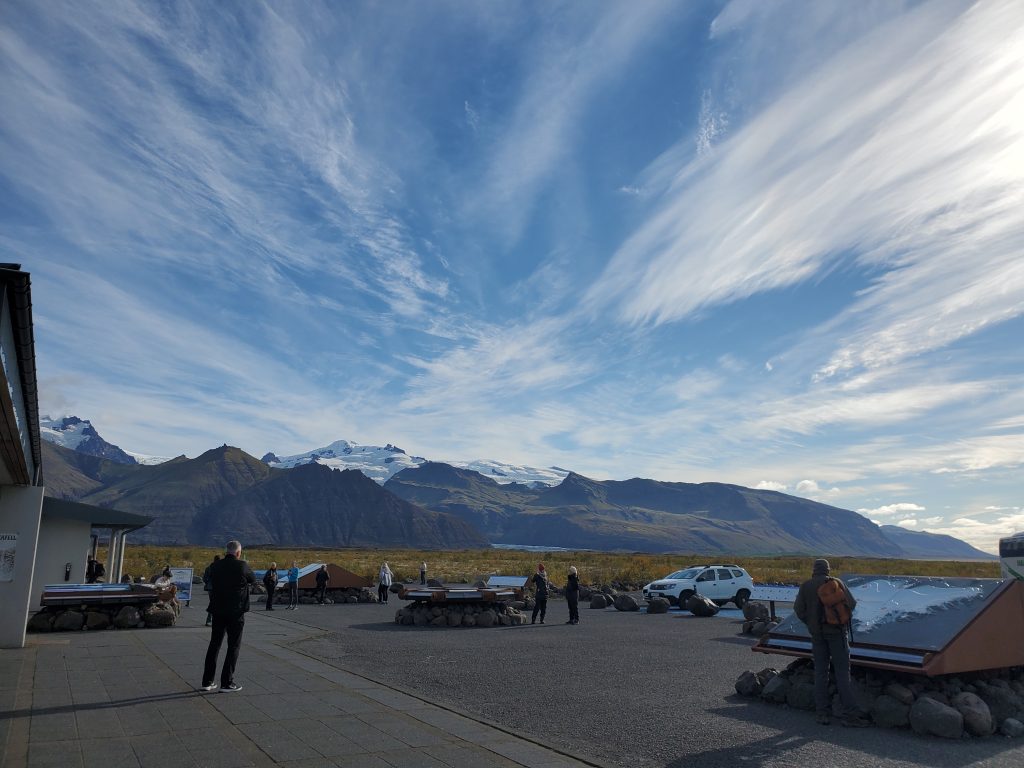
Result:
{"points": [[67, 432], [373, 461], [142, 458], [513, 473], [79, 435]]}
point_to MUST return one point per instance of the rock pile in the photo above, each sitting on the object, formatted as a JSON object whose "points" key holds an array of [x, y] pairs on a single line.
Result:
{"points": [[421, 614], [159, 614], [952, 707], [351, 596], [757, 619]]}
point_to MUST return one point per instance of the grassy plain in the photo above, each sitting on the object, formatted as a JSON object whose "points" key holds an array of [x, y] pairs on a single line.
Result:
{"points": [[594, 567]]}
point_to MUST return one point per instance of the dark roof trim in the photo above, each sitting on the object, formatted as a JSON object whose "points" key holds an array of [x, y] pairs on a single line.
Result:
{"points": [[98, 517], [19, 288]]}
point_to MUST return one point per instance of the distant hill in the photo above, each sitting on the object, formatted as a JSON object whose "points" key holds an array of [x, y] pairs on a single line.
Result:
{"points": [[225, 493], [643, 515], [933, 546]]}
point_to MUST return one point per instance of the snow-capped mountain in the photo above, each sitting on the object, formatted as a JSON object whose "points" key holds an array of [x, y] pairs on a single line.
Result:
{"points": [[376, 462], [513, 473], [80, 435], [373, 461]]}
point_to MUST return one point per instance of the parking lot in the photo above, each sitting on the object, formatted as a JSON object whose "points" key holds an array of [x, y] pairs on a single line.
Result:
{"points": [[625, 689]]}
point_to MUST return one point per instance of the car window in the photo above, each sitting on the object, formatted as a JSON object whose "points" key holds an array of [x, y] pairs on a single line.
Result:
{"points": [[724, 574], [687, 573], [708, 575], [737, 574]]}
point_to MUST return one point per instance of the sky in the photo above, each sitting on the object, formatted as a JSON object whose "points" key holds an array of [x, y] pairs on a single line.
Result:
{"points": [[773, 244]]}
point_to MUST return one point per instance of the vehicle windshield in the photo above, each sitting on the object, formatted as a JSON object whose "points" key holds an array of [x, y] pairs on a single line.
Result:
{"points": [[689, 573]]}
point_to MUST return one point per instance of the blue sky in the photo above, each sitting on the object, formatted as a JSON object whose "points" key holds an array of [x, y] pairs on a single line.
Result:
{"points": [[774, 244]]}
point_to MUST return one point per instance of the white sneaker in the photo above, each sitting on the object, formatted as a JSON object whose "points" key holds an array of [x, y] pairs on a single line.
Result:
{"points": [[210, 687]]}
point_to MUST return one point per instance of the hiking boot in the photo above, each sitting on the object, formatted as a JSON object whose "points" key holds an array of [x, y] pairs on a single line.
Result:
{"points": [[856, 721]]}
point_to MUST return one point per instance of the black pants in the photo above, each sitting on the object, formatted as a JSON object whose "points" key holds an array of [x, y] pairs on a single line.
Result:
{"points": [[423, 577], [321, 592], [293, 594], [573, 598], [540, 606], [270, 597], [382, 592], [232, 626]]}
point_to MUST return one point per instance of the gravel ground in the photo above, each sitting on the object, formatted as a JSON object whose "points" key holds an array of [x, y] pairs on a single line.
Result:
{"points": [[625, 688]]}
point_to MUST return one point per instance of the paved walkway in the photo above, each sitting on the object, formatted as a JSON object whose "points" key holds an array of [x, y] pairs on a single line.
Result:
{"points": [[120, 698]]}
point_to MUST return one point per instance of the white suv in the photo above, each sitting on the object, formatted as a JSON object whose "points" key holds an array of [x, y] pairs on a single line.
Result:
{"points": [[720, 583]]}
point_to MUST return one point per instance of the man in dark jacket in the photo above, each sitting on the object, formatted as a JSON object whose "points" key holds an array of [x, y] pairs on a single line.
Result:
{"points": [[322, 577], [540, 583], [828, 642], [230, 579]]}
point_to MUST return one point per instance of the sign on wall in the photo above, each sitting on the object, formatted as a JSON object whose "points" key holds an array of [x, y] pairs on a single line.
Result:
{"points": [[8, 549], [182, 579]]}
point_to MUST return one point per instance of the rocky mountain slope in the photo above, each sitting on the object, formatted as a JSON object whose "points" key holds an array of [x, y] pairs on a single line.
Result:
{"points": [[80, 435], [926, 546], [643, 515], [226, 493]]}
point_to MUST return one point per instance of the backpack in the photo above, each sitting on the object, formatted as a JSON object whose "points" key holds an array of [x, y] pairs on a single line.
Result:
{"points": [[834, 608]]}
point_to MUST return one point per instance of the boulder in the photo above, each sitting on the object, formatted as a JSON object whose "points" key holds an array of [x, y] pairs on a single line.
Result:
{"points": [[585, 593], [1012, 728], [800, 695], [749, 684], [127, 617], [756, 612], [68, 621], [421, 618], [468, 620], [518, 605], [899, 692], [454, 618], [97, 620], [657, 605], [395, 588], [626, 603], [699, 605], [41, 622], [486, 618], [776, 690], [938, 696], [351, 599], [435, 584], [933, 718], [889, 712], [158, 616], [977, 716], [1002, 701], [758, 628], [439, 621], [598, 600]]}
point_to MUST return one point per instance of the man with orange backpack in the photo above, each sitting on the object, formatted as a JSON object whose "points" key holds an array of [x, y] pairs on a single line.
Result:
{"points": [[826, 606]]}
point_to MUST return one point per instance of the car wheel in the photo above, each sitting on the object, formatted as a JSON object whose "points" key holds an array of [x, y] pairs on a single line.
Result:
{"points": [[672, 599], [741, 598], [685, 595]]}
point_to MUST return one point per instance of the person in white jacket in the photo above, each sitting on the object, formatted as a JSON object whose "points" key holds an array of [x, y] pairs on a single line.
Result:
{"points": [[384, 580]]}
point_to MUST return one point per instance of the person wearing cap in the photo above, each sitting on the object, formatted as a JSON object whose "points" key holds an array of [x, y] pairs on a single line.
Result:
{"points": [[540, 585], [828, 643]]}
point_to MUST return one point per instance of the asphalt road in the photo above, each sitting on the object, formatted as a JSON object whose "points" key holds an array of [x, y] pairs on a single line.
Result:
{"points": [[625, 689]]}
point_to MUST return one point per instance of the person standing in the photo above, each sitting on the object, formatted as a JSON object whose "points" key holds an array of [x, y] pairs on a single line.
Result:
{"points": [[540, 585], [270, 583], [206, 586], [384, 579], [322, 577], [572, 595], [423, 573], [230, 579], [293, 587], [829, 642]]}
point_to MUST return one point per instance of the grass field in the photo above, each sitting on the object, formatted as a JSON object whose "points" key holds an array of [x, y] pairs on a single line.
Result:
{"points": [[594, 567]]}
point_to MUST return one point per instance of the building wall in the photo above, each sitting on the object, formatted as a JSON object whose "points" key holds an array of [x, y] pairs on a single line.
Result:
{"points": [[21, 508], [60, 542]]}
